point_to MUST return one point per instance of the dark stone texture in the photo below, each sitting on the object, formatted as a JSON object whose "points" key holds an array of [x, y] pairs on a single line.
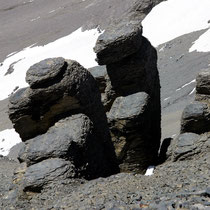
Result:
{"points": [[195, 118], [61, 139], [14, 151], [130, 126], [72, 139], [45, 72], [136, 73], [118, 41], [99, 73], [186, 144], [129, 107], [203, 82], [40, 174], [189, 146], [40, 108], [84, 139]]}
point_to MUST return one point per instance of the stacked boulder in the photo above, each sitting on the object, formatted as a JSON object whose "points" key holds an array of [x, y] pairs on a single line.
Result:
{"points": [[194, 140], [131, 95], [62, 121], [196, 116]]}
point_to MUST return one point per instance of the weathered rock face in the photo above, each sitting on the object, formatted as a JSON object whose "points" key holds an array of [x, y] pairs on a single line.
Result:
{"points": [[132, 75], [73, 90], [127, 119], [196, 116], [118, 42], [72, 139], [203, 83], [67, 132], [40, 174], [62, 139]]}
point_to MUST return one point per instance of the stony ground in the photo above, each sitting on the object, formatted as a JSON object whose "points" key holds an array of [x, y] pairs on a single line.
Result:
{"points": [[174, 185]]}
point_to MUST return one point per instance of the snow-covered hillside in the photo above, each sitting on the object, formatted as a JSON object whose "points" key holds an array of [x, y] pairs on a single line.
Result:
{"points": [[168, 20], [173, 18]]}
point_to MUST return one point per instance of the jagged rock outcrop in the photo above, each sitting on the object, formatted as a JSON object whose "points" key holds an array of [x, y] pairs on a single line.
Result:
{"points": [[118, 42], [40, 174], [131, 64], [127, 119], [51, 97], [65, 122], [196, 116], [189, 146]]}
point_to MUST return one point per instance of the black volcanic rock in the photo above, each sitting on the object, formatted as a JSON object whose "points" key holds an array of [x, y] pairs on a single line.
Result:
{"points": [[71, 139], [45, 71], [65, 137], [203, 83], [39, 108], [195, 118], [127, 77], [40, 174], [137, 72], [99, 73], [186, 143], [130, 126], [118, 42], [189, 146], [65, 119]]}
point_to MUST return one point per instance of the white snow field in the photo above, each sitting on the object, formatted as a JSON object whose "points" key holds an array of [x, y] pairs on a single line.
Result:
{"points": [[173, 18], [76, 46], [8, 138], [202, 44]]}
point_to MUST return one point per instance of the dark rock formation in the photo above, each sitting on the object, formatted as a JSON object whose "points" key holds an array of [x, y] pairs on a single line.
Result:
{"points": [[60, 140], [196, 116], [72, 139], [67, 132], [99, 73], [118, 42], [203, 83], [40, 174], [131, 69], [71, 91], [127, 118]]}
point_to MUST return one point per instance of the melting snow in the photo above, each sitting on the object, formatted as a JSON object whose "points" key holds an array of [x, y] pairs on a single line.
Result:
{"points": [[8, 138], [150, 171], [35, 19], [202, 44], [167, 98], [192, 91], [173, 18], [193, 81], [77, 46]]}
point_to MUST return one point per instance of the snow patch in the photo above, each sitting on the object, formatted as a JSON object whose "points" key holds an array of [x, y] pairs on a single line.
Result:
{"points": [[173, 136], [183, 86], [8, 139], [76, 46], [192, 91], [173, 18], [167, 98], [150, 171], [37, 18], [202, 44]]}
